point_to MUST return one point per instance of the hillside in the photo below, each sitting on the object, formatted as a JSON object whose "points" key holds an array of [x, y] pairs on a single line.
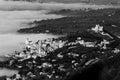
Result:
{"points": [[93, 54], [77, 21]]}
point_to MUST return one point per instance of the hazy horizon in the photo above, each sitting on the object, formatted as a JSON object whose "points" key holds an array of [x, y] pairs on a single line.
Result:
{"points": [[50, 6], [77, 1]]}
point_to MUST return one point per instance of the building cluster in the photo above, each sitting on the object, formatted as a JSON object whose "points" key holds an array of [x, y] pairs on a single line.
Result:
{"points": [[39, 48], [97, 28], [100, 29], [103, 44]]}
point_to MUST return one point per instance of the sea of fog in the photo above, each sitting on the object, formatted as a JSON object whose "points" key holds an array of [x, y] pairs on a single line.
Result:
{"points": [[7, 72], [11, 21]]}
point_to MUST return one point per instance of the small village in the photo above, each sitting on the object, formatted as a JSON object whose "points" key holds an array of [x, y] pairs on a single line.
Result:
{"points": [[42, 47]]}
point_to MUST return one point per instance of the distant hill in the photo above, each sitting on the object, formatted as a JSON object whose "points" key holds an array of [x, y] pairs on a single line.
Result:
{"points": [[109, 18], [87, 1], [74, 1]]}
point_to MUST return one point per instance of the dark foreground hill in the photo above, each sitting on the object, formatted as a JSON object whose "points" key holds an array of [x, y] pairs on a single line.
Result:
{"points": [[89, 55]]}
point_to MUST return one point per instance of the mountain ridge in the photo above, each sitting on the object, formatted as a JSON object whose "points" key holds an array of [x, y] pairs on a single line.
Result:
{"points": [[75, 1]]}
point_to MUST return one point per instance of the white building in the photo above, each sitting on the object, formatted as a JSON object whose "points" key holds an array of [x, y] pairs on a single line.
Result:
{"points": [[97, 28]]}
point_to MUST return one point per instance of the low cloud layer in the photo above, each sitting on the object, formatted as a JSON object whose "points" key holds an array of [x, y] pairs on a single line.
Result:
{"points": [[10, 5]]}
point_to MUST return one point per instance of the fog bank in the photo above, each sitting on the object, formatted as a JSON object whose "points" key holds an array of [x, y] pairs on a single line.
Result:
{"points": [[7, 72], [19, 5]]}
